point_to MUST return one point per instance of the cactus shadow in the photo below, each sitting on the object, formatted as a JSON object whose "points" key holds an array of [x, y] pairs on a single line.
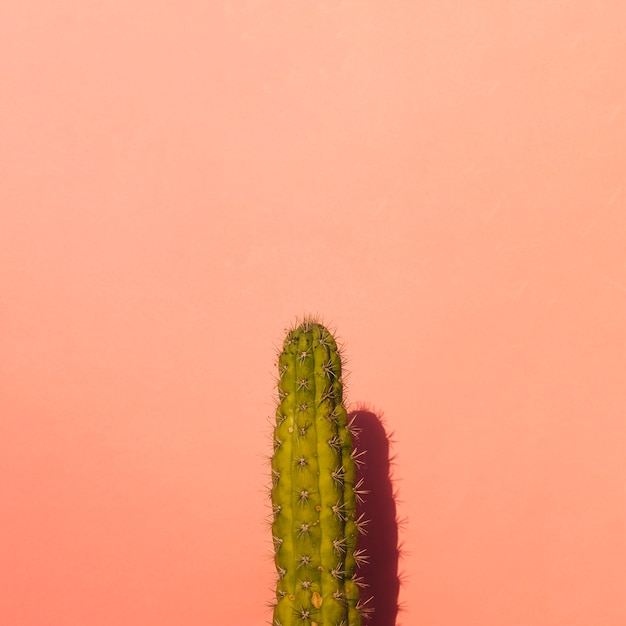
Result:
{"points": [[379, 507]]}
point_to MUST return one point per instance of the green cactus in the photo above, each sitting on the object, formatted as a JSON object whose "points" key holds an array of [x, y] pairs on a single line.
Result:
{"points": [[314, 487]]}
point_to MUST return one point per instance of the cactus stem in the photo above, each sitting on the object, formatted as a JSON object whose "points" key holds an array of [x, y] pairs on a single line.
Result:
{"points": [[315, 491]]}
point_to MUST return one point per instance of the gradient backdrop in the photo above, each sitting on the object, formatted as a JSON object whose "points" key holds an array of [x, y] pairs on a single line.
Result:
{"points": [[442, 181]]}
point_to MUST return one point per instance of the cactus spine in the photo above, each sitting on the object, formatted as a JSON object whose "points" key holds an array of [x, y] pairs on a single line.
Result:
{"points": [[314, 490]]}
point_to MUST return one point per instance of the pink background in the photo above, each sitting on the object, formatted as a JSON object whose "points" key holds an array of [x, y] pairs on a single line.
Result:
{"points": [[441, 180]]}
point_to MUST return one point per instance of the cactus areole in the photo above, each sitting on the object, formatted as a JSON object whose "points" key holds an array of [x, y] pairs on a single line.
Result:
{"points": [[314, 489]]}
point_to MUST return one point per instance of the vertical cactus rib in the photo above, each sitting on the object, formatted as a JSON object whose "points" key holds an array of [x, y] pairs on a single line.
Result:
{"points": [[314, 490]]}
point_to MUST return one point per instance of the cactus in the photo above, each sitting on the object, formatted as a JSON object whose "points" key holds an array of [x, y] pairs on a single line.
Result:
{"points": [[314, 488]]}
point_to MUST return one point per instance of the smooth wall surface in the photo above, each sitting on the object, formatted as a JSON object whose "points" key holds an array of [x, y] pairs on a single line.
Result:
{"points": [[442, 181]]}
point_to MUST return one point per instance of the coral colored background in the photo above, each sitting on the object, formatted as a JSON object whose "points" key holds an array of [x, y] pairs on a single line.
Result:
{"points": [[442, 181]]}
